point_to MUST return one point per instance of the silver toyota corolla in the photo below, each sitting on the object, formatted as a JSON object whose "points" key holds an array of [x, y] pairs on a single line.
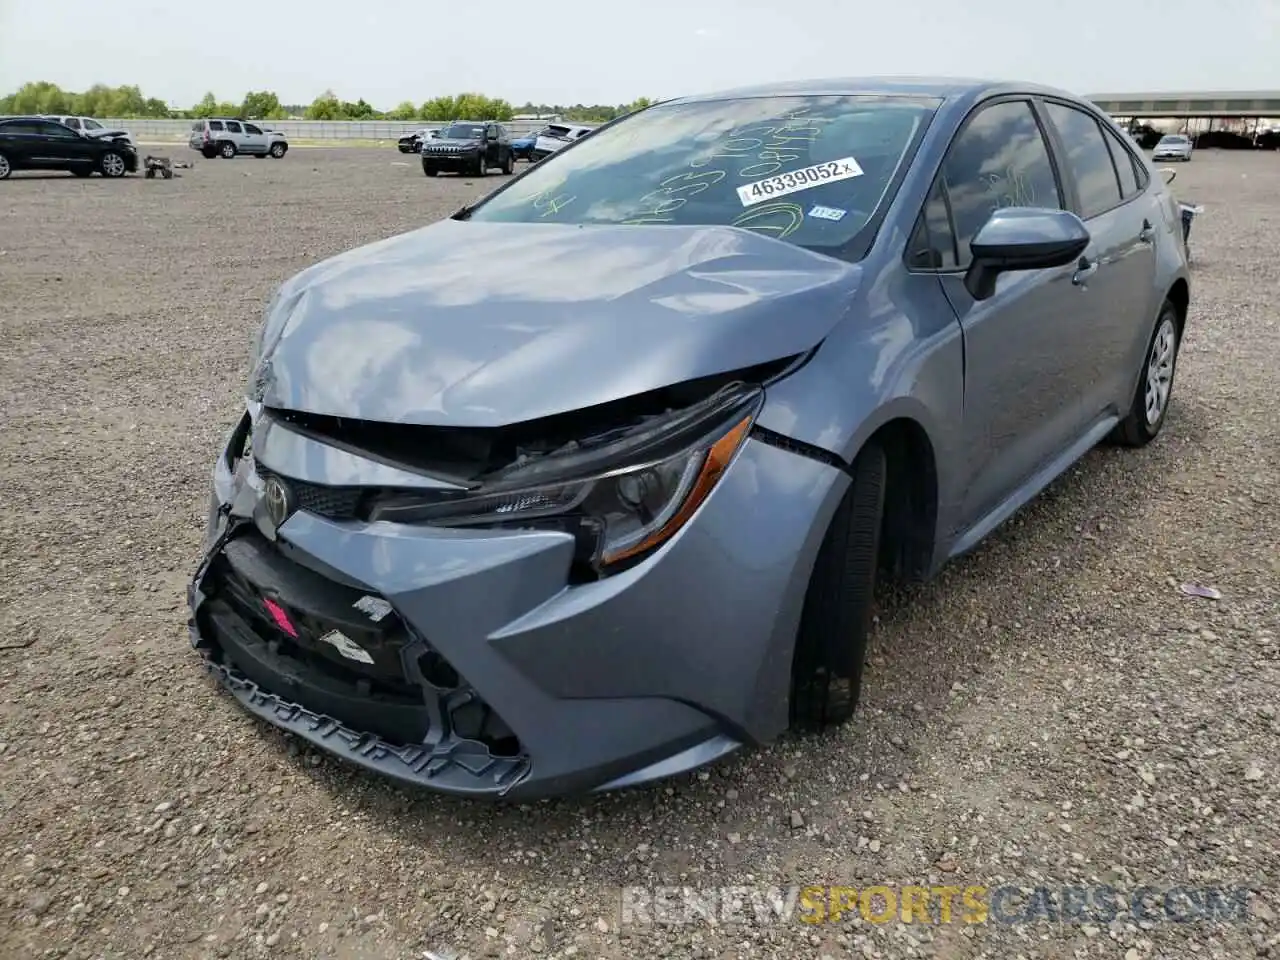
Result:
{"points": [[593, 482]]}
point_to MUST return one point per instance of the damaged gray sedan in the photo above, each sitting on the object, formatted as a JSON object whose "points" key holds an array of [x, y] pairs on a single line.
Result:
{"points": [[593, 482]]}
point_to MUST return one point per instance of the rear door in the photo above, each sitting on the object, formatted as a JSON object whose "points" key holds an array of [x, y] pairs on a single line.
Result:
{"points": [[1021, 392], [1119, 294], [254, 139], [234, 133]]}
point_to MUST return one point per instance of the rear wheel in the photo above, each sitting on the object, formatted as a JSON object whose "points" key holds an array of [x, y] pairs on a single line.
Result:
{"points": [[209, 153], [1155, 384], [112, 165], [831, 644], [227, 150], [5, 168]]}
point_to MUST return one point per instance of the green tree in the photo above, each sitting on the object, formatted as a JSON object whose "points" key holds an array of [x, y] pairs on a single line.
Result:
{"points": [[406, 111], [325, 107], [261, 105]]}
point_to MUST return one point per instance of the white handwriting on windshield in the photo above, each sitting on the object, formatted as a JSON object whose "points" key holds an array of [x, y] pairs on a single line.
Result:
{"points": [[759, 149]]}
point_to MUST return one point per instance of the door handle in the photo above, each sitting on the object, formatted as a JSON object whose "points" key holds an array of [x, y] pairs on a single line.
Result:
{"points": [[1085, 269], [1146, 233]]}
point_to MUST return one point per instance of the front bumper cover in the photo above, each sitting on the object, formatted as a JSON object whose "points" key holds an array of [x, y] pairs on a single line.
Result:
{"points": [[645, 674]]}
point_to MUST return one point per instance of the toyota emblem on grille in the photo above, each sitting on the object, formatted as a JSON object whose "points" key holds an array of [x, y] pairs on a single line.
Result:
{"points": [[278, 500]]}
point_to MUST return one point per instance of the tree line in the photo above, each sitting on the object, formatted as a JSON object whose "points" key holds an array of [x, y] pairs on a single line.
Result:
{"points": [[128, 102]]}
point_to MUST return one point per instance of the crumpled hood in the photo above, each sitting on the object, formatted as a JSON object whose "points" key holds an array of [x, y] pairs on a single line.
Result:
{"points": [[485, 324]]}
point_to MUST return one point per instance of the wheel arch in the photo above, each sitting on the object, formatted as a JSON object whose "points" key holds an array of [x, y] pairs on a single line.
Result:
{"points": [[908, 538], [1180, 296]]}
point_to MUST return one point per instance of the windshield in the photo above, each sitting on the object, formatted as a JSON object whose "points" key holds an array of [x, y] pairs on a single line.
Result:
{"points": [[462, 131], [811, 170], [1173, 140]]}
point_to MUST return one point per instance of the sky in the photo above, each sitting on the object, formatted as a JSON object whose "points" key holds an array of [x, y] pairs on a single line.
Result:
{"points": [[588, 51]]}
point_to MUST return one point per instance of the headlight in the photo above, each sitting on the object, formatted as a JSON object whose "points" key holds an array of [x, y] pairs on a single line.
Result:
{"points": [[621, 499]]}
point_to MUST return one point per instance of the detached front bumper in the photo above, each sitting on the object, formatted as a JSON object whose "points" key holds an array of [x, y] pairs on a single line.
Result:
{"points": [[489, 673]]}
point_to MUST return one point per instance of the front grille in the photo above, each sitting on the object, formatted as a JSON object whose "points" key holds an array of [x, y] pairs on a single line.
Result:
{"points": [[336, 503]]}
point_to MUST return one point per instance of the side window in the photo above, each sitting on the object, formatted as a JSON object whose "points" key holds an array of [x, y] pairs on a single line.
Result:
{"points": [[215, 124], [933, 243], [58, 130], [250, 128], [1124, 162], [92, 125], [999, 160], [72, 122], [197, 126], [233, 127], [1088, 159]]}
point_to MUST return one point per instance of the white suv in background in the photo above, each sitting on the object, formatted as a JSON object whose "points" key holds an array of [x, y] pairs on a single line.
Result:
{"points": [[90, 127], [557, 136], [224, 137]]}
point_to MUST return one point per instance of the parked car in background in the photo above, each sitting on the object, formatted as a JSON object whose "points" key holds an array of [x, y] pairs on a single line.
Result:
{"points": [[1144, 135], [412, 143], [91, 127], [522, 146], [37, 143], [468, 146], [557, 136], [594, 481], [225, 137], [1174, 146]]}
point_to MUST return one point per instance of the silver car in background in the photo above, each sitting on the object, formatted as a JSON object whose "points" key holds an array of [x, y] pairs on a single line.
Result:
{"points": [[1175, 146]]}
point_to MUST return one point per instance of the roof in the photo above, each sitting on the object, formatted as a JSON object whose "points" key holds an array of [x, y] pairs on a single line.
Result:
{"points": [[938, 88]]}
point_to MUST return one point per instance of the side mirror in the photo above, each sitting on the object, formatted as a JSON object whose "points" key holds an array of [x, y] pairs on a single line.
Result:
{"points": [[1168, 173], [1022, 238]]}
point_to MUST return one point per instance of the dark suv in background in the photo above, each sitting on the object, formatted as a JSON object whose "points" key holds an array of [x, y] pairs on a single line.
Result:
{"points": [[34, 143], [468, 146]]}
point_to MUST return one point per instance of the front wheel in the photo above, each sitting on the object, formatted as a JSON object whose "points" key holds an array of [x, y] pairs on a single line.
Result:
{"points": [[430, 171], [112, 165], [278, 150], [508, 165], [1155, 384], [835, 622]]}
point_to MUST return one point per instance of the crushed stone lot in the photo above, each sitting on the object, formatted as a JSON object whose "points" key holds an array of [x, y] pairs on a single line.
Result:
{"points": [[1053, 712]]}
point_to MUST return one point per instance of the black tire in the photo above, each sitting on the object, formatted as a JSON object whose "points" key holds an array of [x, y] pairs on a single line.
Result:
{"points": [[167, 173], [6, 168], [149, 175], [278, 150], [226, 150], [209, 153], [1139, 427], [430, 171], [835, 624], [112, 165], [482, 167], [508, 165]]}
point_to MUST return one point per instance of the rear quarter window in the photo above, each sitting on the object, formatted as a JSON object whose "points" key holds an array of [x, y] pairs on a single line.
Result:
{"points": [[215, 124]]}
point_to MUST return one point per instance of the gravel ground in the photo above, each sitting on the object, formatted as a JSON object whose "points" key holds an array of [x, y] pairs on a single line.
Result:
{"points": [[1053, 711]]}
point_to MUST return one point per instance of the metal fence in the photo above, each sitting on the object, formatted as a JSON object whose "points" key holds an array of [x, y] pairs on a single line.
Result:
{"points": [[336, 130]]}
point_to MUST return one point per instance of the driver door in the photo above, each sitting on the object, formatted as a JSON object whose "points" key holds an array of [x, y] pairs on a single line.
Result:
{"points": [[58, 147], [254, 140], [1023, 385], [491, 145]]}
